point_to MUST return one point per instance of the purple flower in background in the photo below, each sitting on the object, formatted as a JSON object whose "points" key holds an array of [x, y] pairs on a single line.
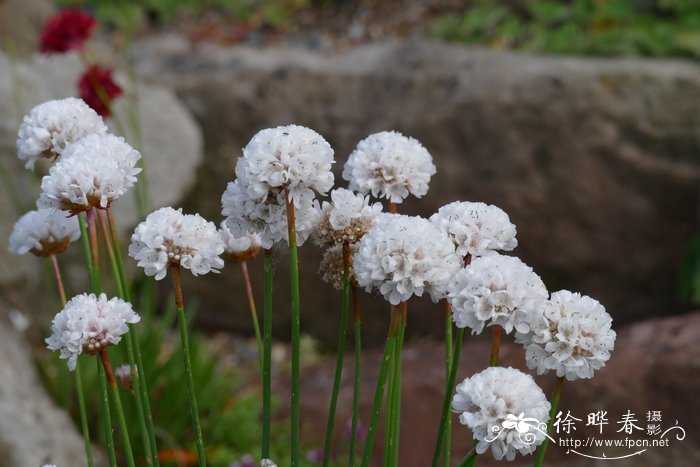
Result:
{"points": [[361, 430], [245, 461], [317, 455]]}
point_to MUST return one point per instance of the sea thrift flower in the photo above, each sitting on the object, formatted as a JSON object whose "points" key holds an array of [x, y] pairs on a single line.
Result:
{"points": [[49, 128], [88, 324], [96, 86], [66, 30], [498, 290], [571, 335], [403, 256], [288, 159], [477, 229], [237, 249], [92, 173], [170, 238], [332, 268], [347, 218], [389, 165], [267, 219], [123, 374], [267, 463], [490, 403], [44, 232]]}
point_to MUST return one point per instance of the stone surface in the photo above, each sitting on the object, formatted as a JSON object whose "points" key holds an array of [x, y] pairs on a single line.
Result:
{"points": [[595, 160], [21, 22], [655, 367]]}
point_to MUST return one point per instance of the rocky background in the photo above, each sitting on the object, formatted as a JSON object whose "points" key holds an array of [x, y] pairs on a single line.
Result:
{"points": [[595, 160]]}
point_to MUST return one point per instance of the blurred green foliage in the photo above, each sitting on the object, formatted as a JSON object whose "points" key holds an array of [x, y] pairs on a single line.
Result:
{"points": [[229, 399], [581, 27]]}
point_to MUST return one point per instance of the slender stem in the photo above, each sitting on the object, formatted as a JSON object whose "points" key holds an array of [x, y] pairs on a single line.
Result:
{"points": [[92, 231], [397, 386], [378, 398], [495, 345], [393, 208], [356, 374], [106, 416], [344, 314], [542, 450], [116, 400], [78, 378], [110, 253], [448, 369], [445, 414], [134, 352], [93, 275], [468, 459], [188, 365], [267, 355], [296, 332], [253, 311]]}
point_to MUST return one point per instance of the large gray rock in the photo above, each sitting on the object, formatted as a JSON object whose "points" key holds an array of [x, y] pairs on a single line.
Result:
{"points": [[595, 160]]}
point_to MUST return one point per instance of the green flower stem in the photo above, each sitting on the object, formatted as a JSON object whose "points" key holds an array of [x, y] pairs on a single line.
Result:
{"points": [[188, 365], [93, 276], [397, 387], [134, 351], [78, 378], [390, 428], [469, 459], [296, 332], [448, 368], [344, 315], [542, 450], [356, 374], [116, 400], [267, 355], [495, 345], [253, 311], [445, 415], [378, 397], [106, 416]]}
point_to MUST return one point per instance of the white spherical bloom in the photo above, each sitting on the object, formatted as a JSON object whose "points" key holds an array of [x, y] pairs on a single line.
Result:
{"points": [[168, 237], [498, 290], [123, 374], [267, 219], [505, 409], [237, 248], [267, 463], [571, 335], [389, 165], [292, 159], [44, 232], [347, 218], [88, 324], [477, 229], [92, 173], [49, 128], [404, 256]]}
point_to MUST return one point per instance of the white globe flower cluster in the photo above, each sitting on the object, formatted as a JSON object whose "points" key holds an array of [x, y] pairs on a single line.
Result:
{"points": [[389, 165], [496, 290], [402, 256], [487, 401], [49, 128], [287, 163], [170, 238], [346, 218], [572, 336], [88, 324], [477, 229], [44, 232], [237, 249]]}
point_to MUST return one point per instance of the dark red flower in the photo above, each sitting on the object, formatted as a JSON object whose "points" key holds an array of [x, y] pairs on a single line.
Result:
{"points": [[66, 30], [98, 89]]}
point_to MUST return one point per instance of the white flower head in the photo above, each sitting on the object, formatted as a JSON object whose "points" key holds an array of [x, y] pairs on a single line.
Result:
{"points": [[477, 229], [346, 218], [571, 335], [403, 256], [237, 249], [44, 232], [49, 128], [332, 266], [267, 463], [389, 165], [88, 324], [123, 374], [489, 400], [268, 219], [92, 173], [288, 159], [170, 238], [496, 289]]}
